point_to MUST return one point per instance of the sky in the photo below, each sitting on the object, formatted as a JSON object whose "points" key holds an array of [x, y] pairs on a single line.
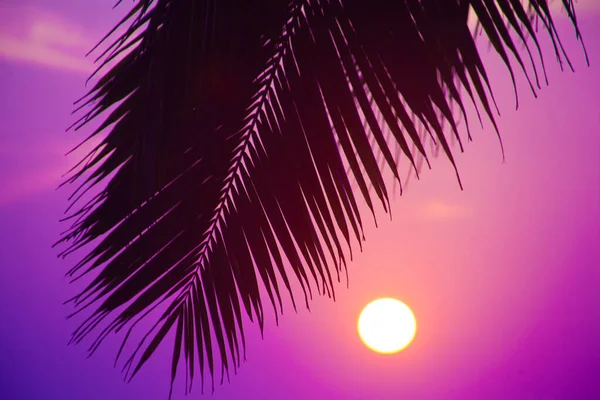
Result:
{"points": [[502, 276]]}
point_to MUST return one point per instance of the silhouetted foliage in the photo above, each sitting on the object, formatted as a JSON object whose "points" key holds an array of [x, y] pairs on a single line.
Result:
{"points": [[235, 132]]}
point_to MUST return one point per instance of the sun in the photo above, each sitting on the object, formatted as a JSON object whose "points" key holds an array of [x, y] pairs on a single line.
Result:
{"points": [[387, 325]]}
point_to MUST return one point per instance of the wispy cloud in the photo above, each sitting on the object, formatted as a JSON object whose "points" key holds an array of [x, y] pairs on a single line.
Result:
{"points": [[37, 37], [18, 188], [441, 210], [25, 181]]}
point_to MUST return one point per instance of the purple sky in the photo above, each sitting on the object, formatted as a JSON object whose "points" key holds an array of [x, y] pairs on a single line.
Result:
{"points": [[503, 277]]}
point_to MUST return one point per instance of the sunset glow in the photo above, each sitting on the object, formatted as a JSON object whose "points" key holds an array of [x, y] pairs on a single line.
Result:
{"points": [[497, 281], [387, 325]]}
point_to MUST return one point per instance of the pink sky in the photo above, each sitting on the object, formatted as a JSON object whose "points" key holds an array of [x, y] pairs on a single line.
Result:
{"points": [[503, 277]]}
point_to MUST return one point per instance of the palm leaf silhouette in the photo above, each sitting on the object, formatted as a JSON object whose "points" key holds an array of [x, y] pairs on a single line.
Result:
{"points": [[242, 136]]}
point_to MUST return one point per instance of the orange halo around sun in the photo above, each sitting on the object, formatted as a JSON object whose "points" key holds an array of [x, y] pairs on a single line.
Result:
{"points": [[387, 325]]}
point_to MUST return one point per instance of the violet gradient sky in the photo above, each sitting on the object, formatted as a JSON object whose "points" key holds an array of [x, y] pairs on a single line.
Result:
{"points": [[503, 277]]}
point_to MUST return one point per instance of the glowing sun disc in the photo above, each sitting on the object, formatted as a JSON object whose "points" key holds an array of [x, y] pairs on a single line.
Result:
{"points": [[387, 325]]}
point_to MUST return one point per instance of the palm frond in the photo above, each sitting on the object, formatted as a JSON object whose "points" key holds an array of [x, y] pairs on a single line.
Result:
{"points": [[235, 129]]}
